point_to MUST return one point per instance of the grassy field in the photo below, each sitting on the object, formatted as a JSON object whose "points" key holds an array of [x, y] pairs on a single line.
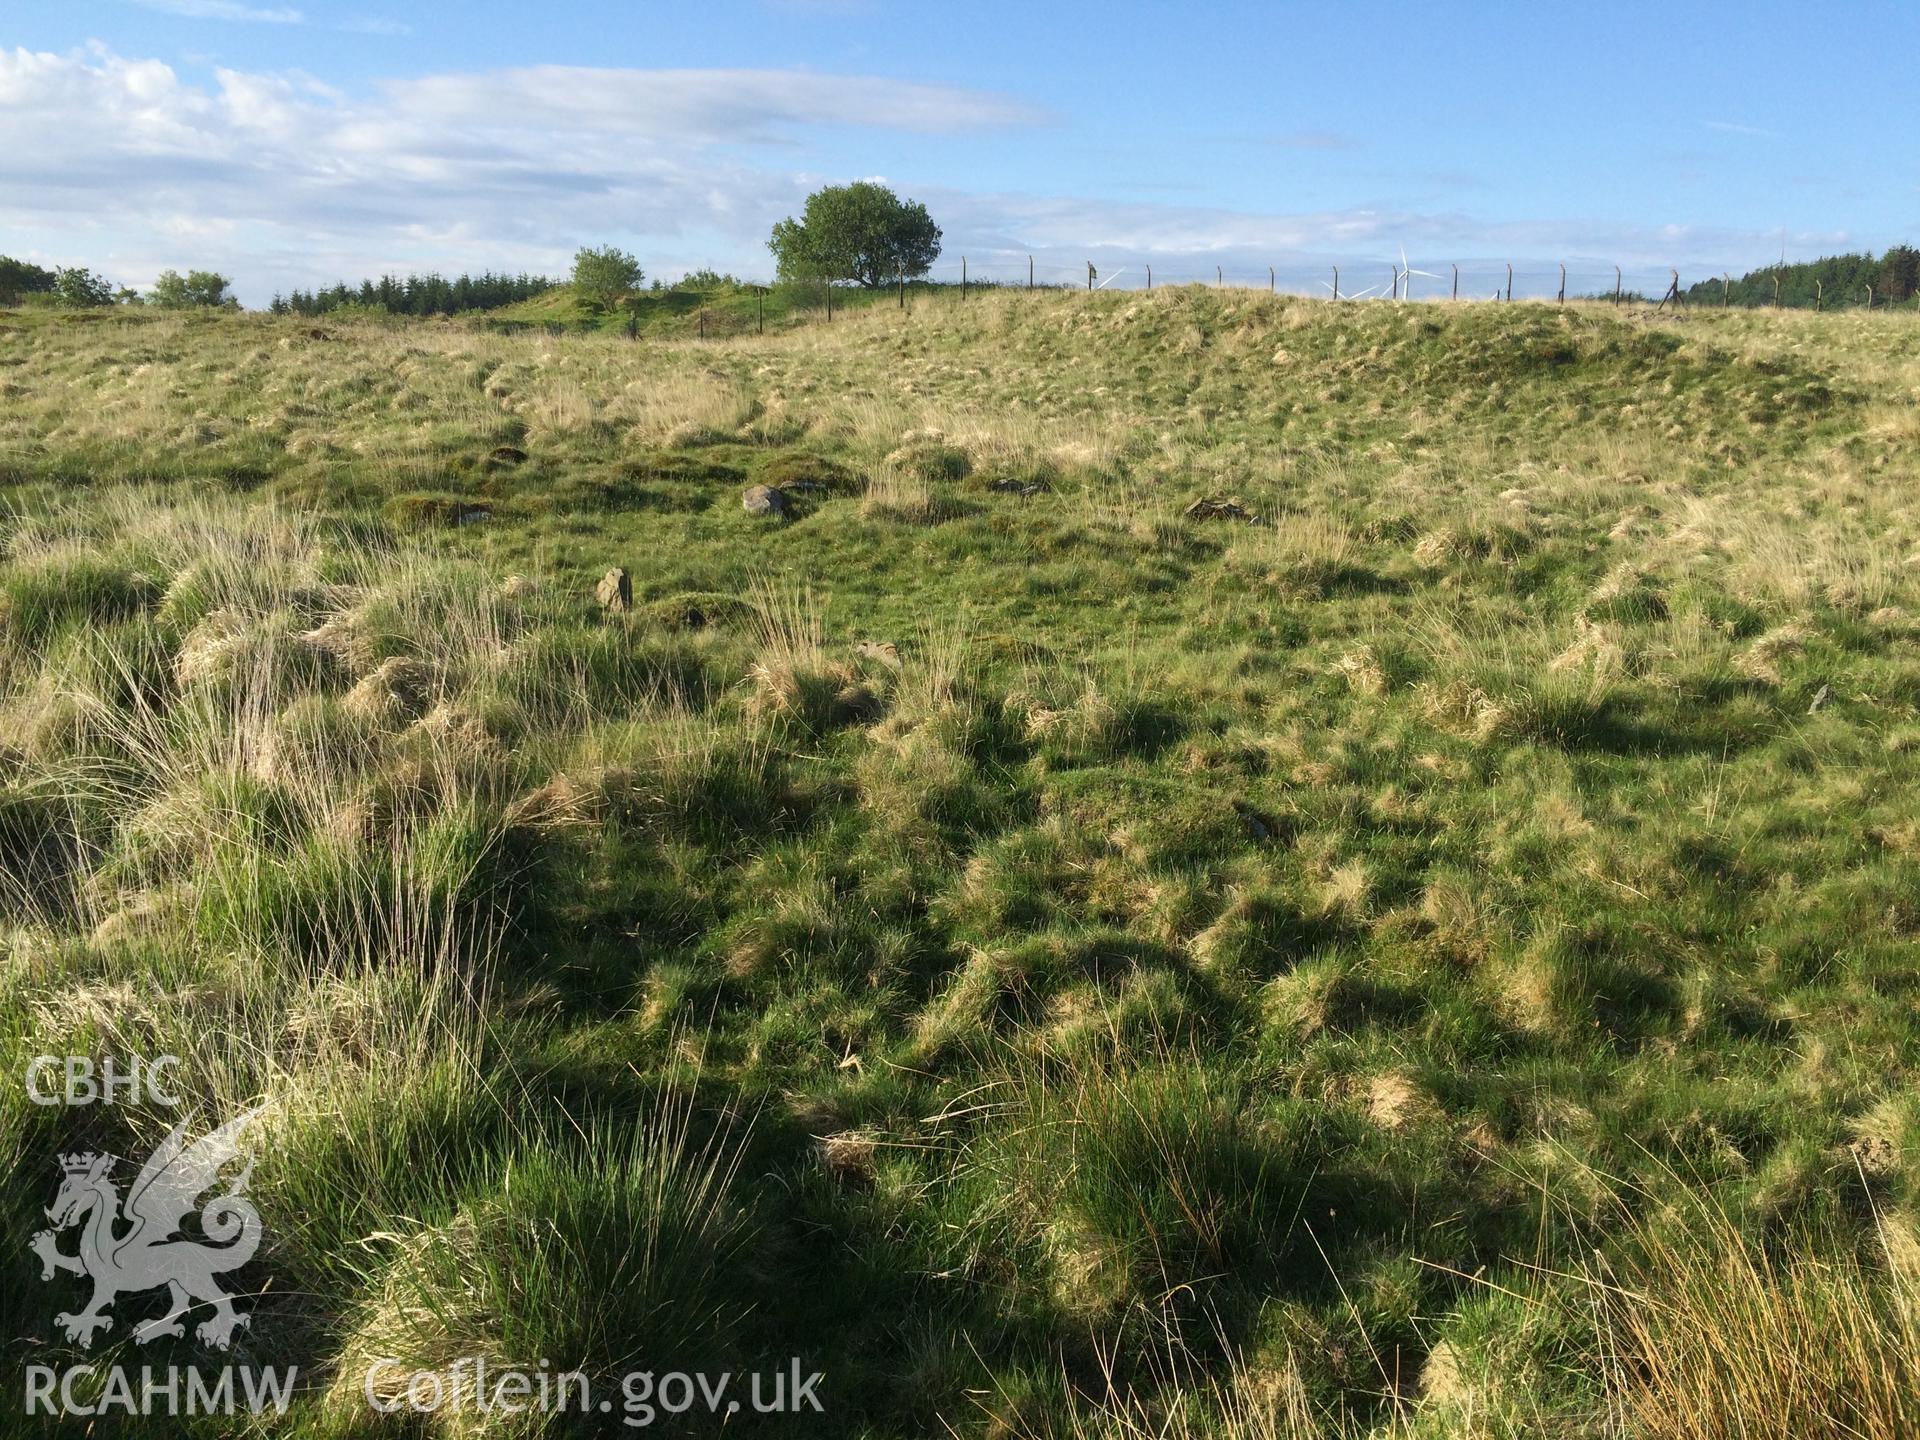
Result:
{"points": [[1424, 948]]}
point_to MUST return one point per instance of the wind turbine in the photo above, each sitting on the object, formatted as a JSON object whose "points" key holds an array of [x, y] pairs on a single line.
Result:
{"points": [[1407, 272], [1349, 294]]}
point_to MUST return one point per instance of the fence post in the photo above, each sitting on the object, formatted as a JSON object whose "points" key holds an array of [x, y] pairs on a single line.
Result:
{"points": [[703, 322], [1456, 282], [903, 289], [963, 277], [1149, 279], [1726, 290], [1396, 281], [1089, 276], [761, 318], [1869, 297], [1776, 289], [1818, 295], [1219, 280], [1336, 282], [1616, 284], [1029, 272], [1270, 280], [1563, 285]]}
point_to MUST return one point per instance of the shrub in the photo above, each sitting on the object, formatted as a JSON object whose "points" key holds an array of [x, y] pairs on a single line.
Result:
{"points": [[605, 275], [174, 291]]}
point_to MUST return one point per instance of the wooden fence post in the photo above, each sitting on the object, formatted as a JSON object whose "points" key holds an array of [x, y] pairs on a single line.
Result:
{"points": [[1219, 280], [1029, 272], [1336, 282], [703, 322], [1270, 282], [1563, 285], [1616, 284], [1509, 282], [1726, 291], [1776, 289], [1149, 279], [903, 289], [760, 320], [1818, 294], [963, 277], [1456, 282], [1396, 280], [1869, 297], [1089, 276]]}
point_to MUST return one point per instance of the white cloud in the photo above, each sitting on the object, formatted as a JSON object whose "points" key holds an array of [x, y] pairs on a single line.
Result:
{"points": [[281, 180], [224, 10], [698, 106], [514, 167]]}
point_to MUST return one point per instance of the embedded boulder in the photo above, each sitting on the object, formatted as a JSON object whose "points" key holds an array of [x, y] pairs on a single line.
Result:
{"points": [[615, 590], [764, 500]]}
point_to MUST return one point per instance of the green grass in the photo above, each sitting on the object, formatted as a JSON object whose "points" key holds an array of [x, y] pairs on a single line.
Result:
{"points": [[714, 314], [1058, 965]]}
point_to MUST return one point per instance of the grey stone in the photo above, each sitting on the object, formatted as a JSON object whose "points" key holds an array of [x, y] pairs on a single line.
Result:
{"points": [[764, 500], [615, 590]]}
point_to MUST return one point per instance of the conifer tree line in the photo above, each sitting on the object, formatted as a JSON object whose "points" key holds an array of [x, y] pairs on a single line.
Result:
{"points": [[1833, 281], [416, 294]]}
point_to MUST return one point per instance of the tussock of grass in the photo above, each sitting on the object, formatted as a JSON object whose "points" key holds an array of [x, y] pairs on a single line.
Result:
{"points": [[599, 1254], [1713, 1333]]}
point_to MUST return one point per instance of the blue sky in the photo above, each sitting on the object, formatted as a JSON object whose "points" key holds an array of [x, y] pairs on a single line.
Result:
{"points": [[294, 142]]}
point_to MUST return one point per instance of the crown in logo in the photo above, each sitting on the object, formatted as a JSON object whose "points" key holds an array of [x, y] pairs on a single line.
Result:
{"points": [[78, 1163]]}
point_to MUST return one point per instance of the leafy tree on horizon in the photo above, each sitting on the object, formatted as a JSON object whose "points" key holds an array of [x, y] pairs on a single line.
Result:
{"points": [[861, 232], [174, 291], [81, 289], [605, 275]]}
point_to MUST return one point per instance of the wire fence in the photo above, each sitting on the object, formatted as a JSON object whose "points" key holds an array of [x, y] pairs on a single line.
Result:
{"points": [[1404, 279], [1343, 280], [746, 309]]}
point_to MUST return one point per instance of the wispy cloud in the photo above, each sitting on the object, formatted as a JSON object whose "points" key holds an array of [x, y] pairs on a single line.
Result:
{"points": [[1728, 127], [374, 25], [839, 9], [1287, 140], [225, 10], [1309, 140], [233, 10], [732, 106]]}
